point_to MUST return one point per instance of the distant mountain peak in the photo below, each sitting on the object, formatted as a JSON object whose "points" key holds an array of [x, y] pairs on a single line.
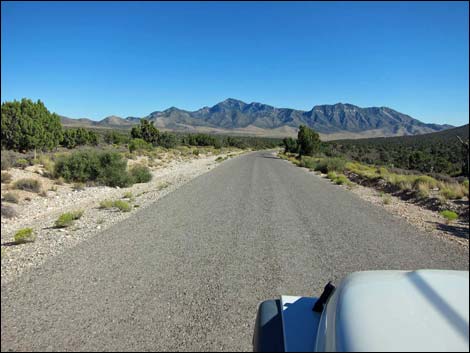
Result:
{"points": [[258, 118]]}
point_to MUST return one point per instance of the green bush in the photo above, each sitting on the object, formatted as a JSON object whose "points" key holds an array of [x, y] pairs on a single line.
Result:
{"points": [[120, 204], [308, 141], [307, 162], [423, 191], [6, 177], [465, 183], [290, 145], [28, 125], [106, 168], [449, 215], [332, 176], [66, 219], [452, 191], [113, 170], [167, 140], [25, 235], [21, 163], [10, 197], [106, 204], [425, 180], [138, 144], [77, 137], [32, 185], [140, 174], [342, 179]]}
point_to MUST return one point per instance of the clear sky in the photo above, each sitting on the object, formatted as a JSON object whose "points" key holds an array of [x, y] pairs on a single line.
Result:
{"points": [[94, 59]]}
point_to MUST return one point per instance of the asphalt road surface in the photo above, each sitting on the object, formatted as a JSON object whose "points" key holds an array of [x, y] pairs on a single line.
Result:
{"points": [[189, 272]]}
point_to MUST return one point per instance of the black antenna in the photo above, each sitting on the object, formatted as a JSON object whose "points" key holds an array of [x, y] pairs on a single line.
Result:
{"points": [[327, 292]]}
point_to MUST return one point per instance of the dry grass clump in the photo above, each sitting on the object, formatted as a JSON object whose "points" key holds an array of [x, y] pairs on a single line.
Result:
{"points": [[28, 184]]}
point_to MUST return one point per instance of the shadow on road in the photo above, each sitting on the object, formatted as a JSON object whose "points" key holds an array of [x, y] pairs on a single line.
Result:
{"points": [[269, 157]]}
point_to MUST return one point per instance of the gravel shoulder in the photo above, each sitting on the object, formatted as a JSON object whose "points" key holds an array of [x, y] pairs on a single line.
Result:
{"points": [[41, 212]]}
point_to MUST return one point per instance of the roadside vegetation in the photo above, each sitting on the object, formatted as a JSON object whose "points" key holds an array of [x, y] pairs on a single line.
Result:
{"points": [[67, 219], [121, 205], [25, 235], [33, 140], [342, 168]]}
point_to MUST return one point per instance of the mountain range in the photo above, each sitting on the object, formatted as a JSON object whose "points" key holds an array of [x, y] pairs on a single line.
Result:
{"points": [[237, 117]]}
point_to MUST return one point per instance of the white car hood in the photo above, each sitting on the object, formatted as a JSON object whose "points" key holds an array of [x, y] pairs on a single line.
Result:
{"points": [[425, 310]]}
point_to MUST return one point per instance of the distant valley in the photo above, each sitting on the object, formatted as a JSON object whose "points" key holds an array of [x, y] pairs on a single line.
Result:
{"points": [[235, 117]]}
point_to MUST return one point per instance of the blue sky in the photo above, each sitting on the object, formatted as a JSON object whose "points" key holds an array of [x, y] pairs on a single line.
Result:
{"points": [[94, 59]]}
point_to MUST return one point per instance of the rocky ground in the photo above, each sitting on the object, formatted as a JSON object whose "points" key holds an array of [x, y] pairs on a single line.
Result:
{"points": [[40, 211]]}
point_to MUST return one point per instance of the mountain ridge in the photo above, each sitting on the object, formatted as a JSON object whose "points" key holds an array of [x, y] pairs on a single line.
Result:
{"points": [[236, 116]]}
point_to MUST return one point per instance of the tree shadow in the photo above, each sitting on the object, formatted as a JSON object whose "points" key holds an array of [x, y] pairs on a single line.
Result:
{"points": [[11, 243], [456, 230]]}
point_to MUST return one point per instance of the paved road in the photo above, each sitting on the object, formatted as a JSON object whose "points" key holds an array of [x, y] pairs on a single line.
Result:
{"points": [[189, 272]]}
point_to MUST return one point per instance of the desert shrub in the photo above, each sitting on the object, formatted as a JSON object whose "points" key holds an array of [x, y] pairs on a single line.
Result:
{"points": [[78, 166], [106, 168], [8, 211], [138, 144], [21, 163], [307, 162], [332, 175], [290, 145], [196, 152], [128, 195], [28, 125], [452, 191], [308, 141], [59, 181], [47, 163], [106, 204], [140, 174], [146, 131], [342, 179], [366, 171], [387, 199], [113, 170], [449, 215], [66, 219], [27, 184], [167, 140], [11, 197], [78, 186], [122, 205], [6, 177], [425, 180], [77, 137], [7, 159], [25, 235], [423, 191], [119, 204], [326, 165]]}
